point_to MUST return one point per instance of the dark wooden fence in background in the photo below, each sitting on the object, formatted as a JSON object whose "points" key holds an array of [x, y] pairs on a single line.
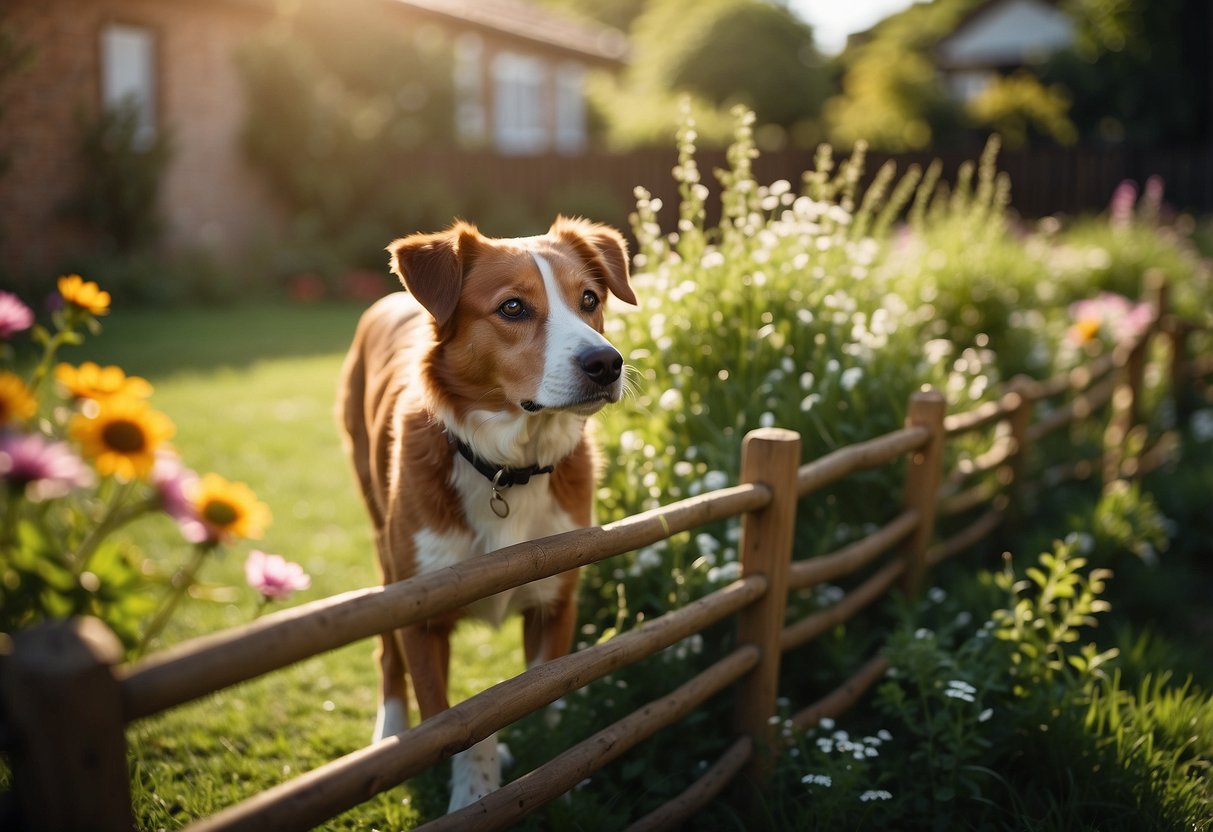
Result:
{"points": [[1043, 182]]}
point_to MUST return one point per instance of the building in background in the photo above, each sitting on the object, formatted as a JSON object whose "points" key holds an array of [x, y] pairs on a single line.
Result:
{"points": [[998, 37], [519, 74]]}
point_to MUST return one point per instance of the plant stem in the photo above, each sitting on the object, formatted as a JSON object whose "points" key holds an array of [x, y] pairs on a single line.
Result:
{"points": [[52, 348], [182, 581], [115, 518]]}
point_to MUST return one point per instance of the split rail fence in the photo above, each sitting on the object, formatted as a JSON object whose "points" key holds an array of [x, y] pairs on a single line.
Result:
{"points": [[68, 699]]}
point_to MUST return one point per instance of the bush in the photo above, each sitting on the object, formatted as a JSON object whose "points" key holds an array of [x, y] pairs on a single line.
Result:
{"points": [[808, 307], [119, 193]]}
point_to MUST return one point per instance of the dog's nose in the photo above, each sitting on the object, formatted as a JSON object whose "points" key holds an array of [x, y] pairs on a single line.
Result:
{"points": [[602, 364]]}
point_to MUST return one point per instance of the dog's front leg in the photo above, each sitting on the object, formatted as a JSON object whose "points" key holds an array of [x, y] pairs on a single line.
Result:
{"points": [[475, 771], [427, 652], [393, 715]]}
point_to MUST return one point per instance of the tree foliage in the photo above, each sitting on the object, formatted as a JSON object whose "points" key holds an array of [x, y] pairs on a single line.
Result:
{"points": [[721, 53], [1140, 71], [333, 99], [891, 96]]}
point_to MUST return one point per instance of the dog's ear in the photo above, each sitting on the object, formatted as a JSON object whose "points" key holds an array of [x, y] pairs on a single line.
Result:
{"points": [[432, 266], [603, 249]]}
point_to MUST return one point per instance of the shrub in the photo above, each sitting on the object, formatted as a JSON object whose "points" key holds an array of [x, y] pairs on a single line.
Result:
{"points": [[1006, 724], [119, 192]]}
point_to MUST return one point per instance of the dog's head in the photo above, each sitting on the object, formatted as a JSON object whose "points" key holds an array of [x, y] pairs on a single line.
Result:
{"points": [[519, 322]]}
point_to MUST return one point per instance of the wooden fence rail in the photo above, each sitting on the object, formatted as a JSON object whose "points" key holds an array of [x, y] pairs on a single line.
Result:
{"points": [[67, 700]]}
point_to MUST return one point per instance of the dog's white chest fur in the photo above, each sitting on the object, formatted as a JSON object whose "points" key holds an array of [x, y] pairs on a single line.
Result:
{"points": [[534, 513]]}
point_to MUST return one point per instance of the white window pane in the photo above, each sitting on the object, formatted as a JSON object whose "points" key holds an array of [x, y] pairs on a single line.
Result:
{"points": [[519, 111], [570, 109], [128, 74]]}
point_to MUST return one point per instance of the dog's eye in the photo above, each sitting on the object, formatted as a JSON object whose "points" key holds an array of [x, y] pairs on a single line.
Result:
{"points": [[589, 301], [512, 308]]}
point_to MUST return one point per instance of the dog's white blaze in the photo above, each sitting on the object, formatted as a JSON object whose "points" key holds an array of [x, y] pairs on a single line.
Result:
{"points": [[390, 720], [568, 335], [474, 773]]}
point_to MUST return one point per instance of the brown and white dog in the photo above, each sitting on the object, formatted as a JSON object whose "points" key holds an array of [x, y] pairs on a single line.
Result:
{"points": [[464, 404]]}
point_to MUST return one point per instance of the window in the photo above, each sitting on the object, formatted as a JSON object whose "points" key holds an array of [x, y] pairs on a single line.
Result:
{"points": [[570, 109], [519, 111], [470, 123], [128, 76]]}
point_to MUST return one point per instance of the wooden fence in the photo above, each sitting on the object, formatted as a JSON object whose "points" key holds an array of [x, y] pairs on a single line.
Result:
{"points": [[67, 698], [1044, 181]]}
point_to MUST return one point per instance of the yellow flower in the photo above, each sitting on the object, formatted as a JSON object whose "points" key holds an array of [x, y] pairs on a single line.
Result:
{"points": [[121, 435], [90, 381], [1085, 330], [16, 402], [84, 294], [229, 509]]}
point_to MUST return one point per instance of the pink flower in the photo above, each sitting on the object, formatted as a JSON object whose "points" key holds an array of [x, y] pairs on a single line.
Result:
{"points": [[44, 470], [1121, 206], [15, 316], [1111, 314], [274, 576], [173, 481]]}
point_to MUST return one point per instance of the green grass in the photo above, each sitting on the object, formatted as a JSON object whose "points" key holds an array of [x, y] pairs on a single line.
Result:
{"points": [[251, 392]]}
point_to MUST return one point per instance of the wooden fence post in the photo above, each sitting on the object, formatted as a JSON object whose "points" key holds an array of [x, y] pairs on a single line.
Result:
{"points": [[1020, 420], [1130, 362], [64, 711], [770, 456], [1177, 334], [923, 471]]}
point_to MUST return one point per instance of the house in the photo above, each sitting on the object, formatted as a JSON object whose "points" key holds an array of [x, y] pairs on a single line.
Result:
{"points": [[519, 72], [997, 37]]}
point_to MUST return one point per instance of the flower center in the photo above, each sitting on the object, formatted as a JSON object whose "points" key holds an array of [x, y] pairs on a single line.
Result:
{"points": [[219, 513], [124, 437]]}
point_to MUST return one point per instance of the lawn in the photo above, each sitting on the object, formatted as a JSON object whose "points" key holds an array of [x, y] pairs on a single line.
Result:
{"points": [[251, 392]]}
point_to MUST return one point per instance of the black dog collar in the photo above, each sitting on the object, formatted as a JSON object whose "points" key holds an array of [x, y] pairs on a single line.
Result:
{"points": [[500, 476]]}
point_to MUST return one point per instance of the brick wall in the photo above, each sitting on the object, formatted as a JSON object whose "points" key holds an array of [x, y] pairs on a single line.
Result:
{"points": [[210, 195]]}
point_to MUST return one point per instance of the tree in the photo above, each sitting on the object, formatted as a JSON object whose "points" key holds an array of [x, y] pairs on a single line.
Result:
{"points": [[891, 96], [720, 52], [1141, 71], [333, 101]]}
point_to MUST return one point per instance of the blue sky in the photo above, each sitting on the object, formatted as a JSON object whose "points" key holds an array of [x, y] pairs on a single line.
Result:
{"points": [[833, 20]]}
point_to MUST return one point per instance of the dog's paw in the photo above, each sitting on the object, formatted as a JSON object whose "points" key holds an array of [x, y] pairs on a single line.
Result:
{"points": [[474, 773]]}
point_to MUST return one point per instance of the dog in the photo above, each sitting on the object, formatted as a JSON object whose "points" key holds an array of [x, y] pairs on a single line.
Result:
{"points": [[464, 403]]}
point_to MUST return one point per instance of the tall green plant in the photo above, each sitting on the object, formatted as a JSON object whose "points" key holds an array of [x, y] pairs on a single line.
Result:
{"points": [[119, 192]]}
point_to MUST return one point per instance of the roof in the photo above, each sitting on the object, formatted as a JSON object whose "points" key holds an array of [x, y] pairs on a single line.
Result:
{"points": [[984, 38], [529, 22]]}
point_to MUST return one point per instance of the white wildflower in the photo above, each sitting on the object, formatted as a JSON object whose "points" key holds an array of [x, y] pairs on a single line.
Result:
{"points": [[875, 794], [671, 399], [850, 377]]}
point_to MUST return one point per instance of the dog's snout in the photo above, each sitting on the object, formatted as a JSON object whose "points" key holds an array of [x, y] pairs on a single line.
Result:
{"points": [[602, 364]]}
